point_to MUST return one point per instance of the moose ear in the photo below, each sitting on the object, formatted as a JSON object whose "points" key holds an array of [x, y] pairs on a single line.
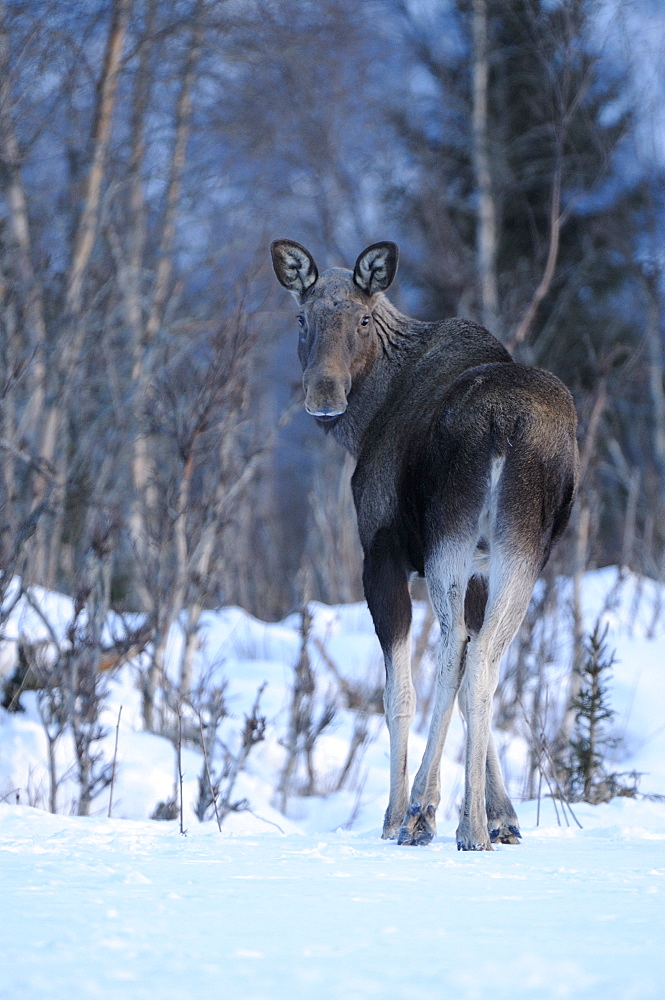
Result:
{"points": [[376, 267], [294, 266]]}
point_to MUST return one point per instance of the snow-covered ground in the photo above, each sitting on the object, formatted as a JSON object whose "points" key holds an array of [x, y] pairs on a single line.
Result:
{"points": [[321, 907], [129, 909]]}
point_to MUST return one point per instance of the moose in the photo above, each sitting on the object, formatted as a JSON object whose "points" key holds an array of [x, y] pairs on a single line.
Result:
{"points": [[466, 472]]}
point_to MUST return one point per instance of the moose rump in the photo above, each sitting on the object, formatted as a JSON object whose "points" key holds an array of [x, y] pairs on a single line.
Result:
{"points": [[466, 473], [481, 492]]}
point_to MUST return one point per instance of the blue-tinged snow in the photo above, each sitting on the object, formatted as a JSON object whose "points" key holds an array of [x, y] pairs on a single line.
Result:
{"points": [[314, 903], [132, 910]]}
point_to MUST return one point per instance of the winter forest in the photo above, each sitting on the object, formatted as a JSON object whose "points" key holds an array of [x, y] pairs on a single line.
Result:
{"points": [[149, 154], [156, 462], [154, 454]]}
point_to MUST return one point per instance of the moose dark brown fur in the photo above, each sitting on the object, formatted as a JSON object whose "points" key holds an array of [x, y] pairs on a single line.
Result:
{"points": [[466, 473]]}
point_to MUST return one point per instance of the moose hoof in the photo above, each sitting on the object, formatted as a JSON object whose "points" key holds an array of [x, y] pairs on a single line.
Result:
{"points": [[471, 837], [419, 826], [506, 834], [391, 823]]}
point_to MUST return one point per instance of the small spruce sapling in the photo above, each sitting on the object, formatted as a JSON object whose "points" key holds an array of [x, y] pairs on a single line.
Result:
{"points": [[587, 776]]}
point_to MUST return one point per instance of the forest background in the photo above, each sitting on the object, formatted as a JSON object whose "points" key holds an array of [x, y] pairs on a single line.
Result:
{"points": [[154, 457]]}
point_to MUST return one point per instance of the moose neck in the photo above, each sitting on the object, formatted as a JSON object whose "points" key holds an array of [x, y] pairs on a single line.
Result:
{"points": [[400, 340]]}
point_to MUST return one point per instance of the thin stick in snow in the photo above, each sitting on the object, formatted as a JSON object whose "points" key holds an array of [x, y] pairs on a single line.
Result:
{"points": [[115, 757], [553, 798], [543, 751], [263, 819], [564, 800], [210, 785], [183, 832]]}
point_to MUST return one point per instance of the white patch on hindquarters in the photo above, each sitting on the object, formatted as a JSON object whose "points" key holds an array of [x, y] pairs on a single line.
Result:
{"points": [[487, 519]]}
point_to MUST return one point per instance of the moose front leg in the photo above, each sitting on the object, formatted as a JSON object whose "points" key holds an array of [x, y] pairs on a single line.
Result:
{"points": [[386, 583]]}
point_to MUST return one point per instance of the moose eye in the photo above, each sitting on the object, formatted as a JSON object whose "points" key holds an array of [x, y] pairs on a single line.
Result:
{"points": [[302, 323]]}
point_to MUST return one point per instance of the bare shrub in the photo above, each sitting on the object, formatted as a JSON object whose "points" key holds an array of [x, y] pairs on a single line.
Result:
{"points": [[305, 724], [217, 787]]}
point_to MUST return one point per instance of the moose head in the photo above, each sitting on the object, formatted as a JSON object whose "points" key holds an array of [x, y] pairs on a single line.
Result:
{"points": [[336, 343]]}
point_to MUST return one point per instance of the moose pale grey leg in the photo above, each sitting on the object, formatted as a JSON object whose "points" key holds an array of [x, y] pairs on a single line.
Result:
{"points": [[502, 823], [387, 591], [502, 820], [399, 702], [447, 583], [511, 585]]}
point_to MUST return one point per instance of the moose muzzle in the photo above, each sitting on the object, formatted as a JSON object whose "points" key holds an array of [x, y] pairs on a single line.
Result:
{"points": [[325, 395]]}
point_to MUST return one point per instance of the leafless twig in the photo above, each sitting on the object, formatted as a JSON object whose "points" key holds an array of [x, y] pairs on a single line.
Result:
{"points": [[213, 791], [540, 744], [183, 832], [115, 757]]}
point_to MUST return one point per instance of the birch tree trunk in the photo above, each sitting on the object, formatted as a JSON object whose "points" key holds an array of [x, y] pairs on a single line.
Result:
{"points": [[128, 247], [145, 332], [19, 227], [7, 439], [72, 334], [486, 224], [653, 336], [162, 283]]}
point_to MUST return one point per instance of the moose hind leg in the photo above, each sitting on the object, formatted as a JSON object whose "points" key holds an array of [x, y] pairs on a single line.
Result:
{"points": [[386, 586], [510, 585], [502, 823], [502, 820], [446, 578]]}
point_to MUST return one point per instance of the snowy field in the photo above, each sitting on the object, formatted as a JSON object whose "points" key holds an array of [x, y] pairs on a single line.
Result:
{"points": [[128, 909], [317, 905]]}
